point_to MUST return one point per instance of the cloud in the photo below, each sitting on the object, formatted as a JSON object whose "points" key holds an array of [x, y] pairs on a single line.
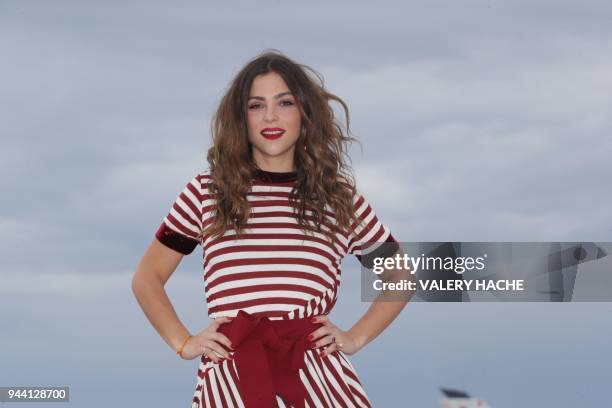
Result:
{"points": [[479, 120]]}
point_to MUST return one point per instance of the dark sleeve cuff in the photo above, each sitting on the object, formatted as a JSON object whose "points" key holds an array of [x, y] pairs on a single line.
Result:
{"points": [[388, 249], [174, 240]]}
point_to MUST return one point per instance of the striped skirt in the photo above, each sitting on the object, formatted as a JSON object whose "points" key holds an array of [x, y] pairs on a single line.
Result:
{"points": [[330, 381]]}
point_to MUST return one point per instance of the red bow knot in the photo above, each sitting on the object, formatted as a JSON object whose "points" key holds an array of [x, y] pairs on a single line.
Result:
{"points": [[269, 355]]}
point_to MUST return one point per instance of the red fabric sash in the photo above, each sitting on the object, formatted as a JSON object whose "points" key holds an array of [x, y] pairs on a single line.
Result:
{"points": [[269, 355]]}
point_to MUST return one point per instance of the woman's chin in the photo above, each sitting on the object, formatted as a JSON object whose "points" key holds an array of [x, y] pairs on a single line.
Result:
{"points": [[274, 152]]}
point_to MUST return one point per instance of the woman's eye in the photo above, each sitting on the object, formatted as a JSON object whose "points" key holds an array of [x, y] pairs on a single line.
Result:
{"points": [[282, 103]]}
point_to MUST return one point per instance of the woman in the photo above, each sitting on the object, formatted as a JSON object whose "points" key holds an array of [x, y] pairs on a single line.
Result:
{"points": [[275, 213]]}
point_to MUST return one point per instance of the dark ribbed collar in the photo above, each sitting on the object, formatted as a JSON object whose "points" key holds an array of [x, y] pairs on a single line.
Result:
{"points": [[274, 176]]}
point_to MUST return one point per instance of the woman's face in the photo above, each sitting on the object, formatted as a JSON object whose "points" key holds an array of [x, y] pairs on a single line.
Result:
{"points": [[274, 123]]}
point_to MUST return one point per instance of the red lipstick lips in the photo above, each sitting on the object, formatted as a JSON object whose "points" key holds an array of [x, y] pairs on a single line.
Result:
{"points": [[272, 133]]}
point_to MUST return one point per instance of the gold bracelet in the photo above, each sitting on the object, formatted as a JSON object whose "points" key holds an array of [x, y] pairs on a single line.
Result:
{"points": [[180, 351]]}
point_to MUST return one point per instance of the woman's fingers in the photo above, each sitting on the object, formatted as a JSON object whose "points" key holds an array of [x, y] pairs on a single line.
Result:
{"points": [[319, 333], [212, 355], [213, 348], [324, 341], [215, 340], [327, 328], [320, 336], [218, 322], [221, 338], [329, 349], [210, 342], [328, 338], [321, 319]]}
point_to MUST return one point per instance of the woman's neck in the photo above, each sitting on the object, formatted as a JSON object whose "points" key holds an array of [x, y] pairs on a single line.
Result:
{"points": [[285, 167]]}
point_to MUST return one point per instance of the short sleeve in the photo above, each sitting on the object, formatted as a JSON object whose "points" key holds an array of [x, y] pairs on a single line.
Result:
{"points": [[181, 228], [367, 238]]}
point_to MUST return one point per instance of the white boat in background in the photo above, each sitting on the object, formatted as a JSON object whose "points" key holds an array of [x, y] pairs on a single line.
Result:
{"points": [[460, 399]]}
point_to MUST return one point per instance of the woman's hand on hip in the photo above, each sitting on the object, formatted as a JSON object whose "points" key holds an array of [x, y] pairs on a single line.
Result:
{"points": [[209, 342], [331, 338]]}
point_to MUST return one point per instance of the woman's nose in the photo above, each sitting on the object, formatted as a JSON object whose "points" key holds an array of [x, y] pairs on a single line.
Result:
{"points": [[270, 113]]}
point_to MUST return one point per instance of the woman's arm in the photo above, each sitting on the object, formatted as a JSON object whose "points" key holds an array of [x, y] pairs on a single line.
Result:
{"points": [[378, 316], [152, 273], [384, 309]]}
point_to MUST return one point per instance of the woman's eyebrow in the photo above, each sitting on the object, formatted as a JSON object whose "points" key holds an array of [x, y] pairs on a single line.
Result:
{"points": [[261, 98]]}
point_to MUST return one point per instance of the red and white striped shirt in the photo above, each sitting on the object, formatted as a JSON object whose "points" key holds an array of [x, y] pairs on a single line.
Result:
{"points": [[275, 270]]}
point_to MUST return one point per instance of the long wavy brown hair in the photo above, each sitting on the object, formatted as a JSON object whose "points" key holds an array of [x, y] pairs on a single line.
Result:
{"points": [[323, 176]]}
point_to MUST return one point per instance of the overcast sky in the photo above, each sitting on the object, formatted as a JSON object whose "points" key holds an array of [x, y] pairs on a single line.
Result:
{"points": [[478, 121]]}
